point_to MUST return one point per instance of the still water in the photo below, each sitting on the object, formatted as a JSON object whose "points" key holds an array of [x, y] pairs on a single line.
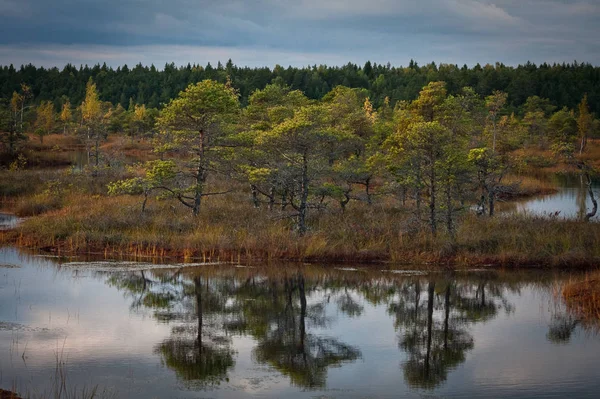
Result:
{"points": [[570, 201], [139, 330]]}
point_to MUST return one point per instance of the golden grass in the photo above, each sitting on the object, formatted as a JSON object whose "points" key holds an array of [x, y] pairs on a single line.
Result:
{"points": [[135, 150], [529, 186], [58, 142], [230, 229], [582, 297]]}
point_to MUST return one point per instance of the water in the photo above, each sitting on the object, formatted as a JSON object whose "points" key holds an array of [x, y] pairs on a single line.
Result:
{"points": [[139, 330], [570, 201], [8, 221]]}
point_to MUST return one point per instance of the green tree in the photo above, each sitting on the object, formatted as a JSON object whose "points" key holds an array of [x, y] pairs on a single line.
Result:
{"points": [[157, 176], [266, 173], [199, 123], [10, 134], [303, 143]]}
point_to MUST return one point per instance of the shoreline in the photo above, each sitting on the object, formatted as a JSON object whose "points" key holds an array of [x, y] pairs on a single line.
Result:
{"points": [[413, 261]]}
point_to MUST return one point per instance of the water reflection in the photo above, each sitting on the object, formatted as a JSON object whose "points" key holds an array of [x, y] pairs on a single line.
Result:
{"points": [[198, 349], [295, 331], [8, 221], [571, 201]]}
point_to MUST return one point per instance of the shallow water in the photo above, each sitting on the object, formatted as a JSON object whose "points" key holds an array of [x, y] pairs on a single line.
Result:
{"points": [[299, 331], [570, 201], [8, 221]]}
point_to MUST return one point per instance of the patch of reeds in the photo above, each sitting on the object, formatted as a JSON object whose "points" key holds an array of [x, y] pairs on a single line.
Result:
{"points": [[582, 297]]}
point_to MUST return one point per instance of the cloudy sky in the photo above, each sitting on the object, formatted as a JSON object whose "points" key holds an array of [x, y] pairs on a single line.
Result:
{"points": [[298, 32]]}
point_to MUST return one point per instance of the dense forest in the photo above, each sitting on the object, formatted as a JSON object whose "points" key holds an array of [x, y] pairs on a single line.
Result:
{"points": [[562, 84]]}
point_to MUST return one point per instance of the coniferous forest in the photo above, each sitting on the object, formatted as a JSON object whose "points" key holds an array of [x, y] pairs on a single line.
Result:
{"points": [[562, 84]]}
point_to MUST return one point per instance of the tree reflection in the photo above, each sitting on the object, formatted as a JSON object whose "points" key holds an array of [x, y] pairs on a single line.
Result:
{"points": [[198, 349], [287, 314], [433, 318], [200, 352], [433, 345], [561, 328], [281, 324]]}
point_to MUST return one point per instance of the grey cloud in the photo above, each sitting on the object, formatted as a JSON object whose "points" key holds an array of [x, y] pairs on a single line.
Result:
{"points": [[457, 31]]}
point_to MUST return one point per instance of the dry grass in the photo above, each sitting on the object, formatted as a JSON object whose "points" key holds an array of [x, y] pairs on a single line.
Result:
{"points": [[133, 150], [229, 228], [582, 297], [58, 142], [529, 186]]}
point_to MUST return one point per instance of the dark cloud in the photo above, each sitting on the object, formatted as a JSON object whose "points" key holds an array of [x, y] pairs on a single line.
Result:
{"points": [[266, 32]]}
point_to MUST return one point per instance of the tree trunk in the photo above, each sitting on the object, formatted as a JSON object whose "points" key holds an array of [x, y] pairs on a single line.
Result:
{"points": [[97, 151], [254, 192], [303, 209], [447, 315], [418, 190], [271, 198], [200, 177], [345, 202], [430, 293], [284, 202], [302, 311], [145, 201], [491, 201], [591, 213], [449, 211], [198, 292], [432, 205]]}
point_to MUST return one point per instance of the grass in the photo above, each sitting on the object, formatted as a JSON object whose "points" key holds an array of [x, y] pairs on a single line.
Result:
{"points": [[530, 186], [582, 297], [82, 221]]}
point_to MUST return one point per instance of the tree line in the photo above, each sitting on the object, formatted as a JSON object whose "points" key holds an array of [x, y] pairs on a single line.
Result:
{"points": [[562, 84]]}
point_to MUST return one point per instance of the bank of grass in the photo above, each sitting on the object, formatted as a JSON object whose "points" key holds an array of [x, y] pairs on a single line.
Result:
{"points": [[529, 186], [230, 229], [582, 296]]}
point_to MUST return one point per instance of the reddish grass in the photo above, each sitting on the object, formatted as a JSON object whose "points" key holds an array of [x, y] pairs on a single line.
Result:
{"points": [[583, 297]]}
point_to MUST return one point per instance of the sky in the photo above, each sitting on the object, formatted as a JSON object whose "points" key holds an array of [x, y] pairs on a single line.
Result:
{"points": [[298, 32]]}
